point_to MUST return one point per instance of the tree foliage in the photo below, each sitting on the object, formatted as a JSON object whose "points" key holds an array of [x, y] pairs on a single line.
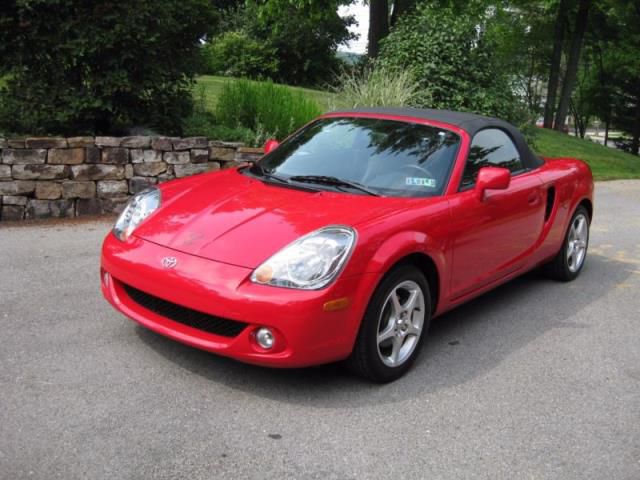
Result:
{"points": [[304, 35], [609, 71], [520, 34], [94, 66], [236, 54], [453, 58], [289, 41]]}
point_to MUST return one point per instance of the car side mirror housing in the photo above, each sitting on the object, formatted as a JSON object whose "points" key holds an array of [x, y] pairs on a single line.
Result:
{"points": [[270, 145], [492, 178]]}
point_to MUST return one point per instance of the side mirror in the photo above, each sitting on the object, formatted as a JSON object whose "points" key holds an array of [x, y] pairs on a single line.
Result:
{"points": [[492, 178], [270, 145]]}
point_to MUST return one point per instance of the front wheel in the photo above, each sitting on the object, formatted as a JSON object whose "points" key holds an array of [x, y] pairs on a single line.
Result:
{"points": [[569, 261], [393, 326]]}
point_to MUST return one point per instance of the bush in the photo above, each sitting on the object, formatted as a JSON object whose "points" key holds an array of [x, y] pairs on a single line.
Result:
{"points": [[264, 107], [378, 86], [235, 54], [305, 36], [99, 67], [452, 60], [203, 124]]}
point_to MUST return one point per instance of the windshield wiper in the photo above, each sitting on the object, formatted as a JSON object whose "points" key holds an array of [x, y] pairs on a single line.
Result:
{"points": [[333, 181]]}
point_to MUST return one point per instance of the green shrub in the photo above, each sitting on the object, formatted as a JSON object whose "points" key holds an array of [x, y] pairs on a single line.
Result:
{"points": [[377, 86], [204, 124], [264, 107], [97, 67], [453, 60], [305, 36], [235, 54]]}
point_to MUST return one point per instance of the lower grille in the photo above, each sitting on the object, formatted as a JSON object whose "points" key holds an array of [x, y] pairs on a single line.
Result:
{"points": [[186, 316]]}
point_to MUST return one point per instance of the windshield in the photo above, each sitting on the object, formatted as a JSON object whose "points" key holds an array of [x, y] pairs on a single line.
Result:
{"points": [[387, 157]]}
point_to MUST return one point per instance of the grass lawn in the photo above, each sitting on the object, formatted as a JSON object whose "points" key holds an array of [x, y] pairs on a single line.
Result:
{"points": [[212, 86], [606, 163]]}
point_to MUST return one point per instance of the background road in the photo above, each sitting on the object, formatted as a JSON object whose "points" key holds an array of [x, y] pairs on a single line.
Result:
{"points": [[534, 380]]}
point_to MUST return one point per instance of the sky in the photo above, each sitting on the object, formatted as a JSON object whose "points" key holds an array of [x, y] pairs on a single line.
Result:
{"points": [[361, 13]]}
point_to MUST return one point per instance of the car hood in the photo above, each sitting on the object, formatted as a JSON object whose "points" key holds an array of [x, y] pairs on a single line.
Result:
{"points": [[233, 218]]}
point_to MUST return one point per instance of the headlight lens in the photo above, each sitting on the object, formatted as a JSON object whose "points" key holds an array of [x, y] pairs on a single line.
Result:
{"points": [[139, 207], [309, 263]]}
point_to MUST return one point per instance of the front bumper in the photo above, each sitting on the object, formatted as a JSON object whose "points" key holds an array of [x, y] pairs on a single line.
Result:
{"points": [[305, 332]]}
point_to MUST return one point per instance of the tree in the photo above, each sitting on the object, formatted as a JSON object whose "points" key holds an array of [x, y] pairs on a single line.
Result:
{"points": [[453, 57], [611, 50], [520, 33], [384, 14], [236, 54], [400, 8], [304, 34], [625, 69], [378, 25], [581, 105], [556, 58], [75, 66], [572, 64], [626, 81]]}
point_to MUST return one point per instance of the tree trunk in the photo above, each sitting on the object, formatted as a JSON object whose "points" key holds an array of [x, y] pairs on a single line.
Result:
{"points": [[572, 64], [635, 143], [400, 7], [554, 69], [606, 131], [378, 25]]}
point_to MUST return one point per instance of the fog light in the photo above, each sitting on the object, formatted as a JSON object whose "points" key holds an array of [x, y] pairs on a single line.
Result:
{"points": [[265, 338]]}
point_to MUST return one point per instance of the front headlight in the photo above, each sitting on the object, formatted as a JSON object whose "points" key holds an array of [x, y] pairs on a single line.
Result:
{"points": [[139, 207], [309, 263]]}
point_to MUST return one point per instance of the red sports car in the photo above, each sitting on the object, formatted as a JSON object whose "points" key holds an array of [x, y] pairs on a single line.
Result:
{"points": [[345, 240]]}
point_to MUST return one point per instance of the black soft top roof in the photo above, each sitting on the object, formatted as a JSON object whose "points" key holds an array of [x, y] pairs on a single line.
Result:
{"points": [[469, 122]]}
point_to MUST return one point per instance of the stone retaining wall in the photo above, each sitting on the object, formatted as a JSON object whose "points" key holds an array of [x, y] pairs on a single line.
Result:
{"points": [[66, 177]]}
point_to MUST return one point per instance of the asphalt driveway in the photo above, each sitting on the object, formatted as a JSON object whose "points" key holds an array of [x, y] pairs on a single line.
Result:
{"points": [[534, 380]]}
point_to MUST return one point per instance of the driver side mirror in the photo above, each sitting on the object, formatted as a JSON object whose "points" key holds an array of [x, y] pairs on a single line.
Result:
{"points": [[492, 178], [270, 145]]}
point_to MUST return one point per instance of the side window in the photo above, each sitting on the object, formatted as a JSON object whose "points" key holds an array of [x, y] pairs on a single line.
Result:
{"points": [[490, 148]]}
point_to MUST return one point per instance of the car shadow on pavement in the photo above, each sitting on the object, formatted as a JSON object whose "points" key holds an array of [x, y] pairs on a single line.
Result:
{"points": [[463, 344]]}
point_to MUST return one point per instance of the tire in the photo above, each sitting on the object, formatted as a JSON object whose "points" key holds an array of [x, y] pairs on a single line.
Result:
{"points": [[403, 323], [568, 263]]}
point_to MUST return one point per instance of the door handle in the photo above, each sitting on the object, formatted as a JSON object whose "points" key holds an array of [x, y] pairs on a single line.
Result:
{"points": [[533, 198]]}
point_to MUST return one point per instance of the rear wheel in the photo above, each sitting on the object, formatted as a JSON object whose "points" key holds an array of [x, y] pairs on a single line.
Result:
{"points": [[569, 261], [393, 327]]}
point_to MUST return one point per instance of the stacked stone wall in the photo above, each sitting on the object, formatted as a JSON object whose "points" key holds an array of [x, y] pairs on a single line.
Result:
{"points": [[43, 177]]}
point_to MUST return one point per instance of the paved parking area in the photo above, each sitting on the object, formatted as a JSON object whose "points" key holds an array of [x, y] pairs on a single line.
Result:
{"points": [[535, 380]]}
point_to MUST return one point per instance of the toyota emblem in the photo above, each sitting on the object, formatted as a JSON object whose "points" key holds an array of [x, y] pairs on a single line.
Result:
{"points": [[169, 262]]}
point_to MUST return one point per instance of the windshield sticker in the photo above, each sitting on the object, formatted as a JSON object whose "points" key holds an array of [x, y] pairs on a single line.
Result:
{"points": [[420, 182]]}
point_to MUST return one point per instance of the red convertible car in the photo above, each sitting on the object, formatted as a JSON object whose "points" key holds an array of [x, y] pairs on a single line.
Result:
{"points": [[345, 240]]}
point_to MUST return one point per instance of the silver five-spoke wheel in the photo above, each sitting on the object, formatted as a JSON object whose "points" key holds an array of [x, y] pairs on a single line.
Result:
{"points": [[401, 322], [577, 242], [568, 262]]}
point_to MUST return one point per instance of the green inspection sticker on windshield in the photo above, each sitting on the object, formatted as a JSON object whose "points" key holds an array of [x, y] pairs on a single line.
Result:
{"points": [[420, 182]]}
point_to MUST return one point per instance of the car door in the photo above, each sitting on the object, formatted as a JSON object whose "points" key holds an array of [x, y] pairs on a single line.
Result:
{"points": [[492, 236]]}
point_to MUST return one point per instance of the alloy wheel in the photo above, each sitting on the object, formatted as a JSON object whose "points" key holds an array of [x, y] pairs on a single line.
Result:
{"points": [[400, 323], [577, 242]]}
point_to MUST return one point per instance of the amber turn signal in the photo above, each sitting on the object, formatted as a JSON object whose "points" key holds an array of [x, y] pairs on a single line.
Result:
{"points": [[337, 304]]}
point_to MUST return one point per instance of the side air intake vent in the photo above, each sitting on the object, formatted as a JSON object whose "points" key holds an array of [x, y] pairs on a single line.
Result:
{"points": [[551, 198]]}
